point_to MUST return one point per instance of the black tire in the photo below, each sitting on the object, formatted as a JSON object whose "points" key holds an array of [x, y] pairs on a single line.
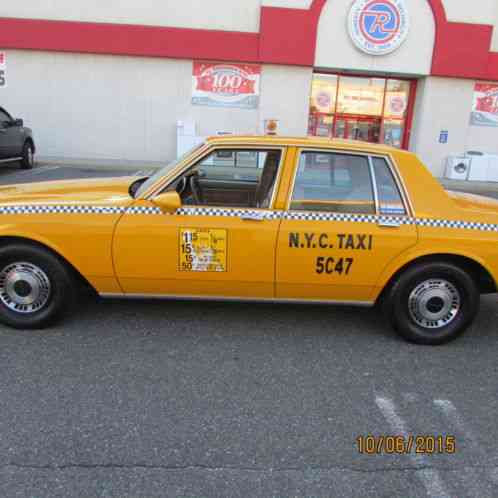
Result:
{"points": [[57, 299], [441, 288], [28, 156]]}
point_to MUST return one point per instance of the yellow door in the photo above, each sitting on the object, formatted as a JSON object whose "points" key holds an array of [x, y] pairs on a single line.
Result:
{"points": [[221, 243], [346, 220]]}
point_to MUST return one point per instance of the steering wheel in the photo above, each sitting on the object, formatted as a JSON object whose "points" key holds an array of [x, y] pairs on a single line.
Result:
{"points": [[195, 188], [182, 186]]}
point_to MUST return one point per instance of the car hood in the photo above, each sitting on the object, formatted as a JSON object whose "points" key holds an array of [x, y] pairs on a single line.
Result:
{"points": [[474, 202], [108, 190]]}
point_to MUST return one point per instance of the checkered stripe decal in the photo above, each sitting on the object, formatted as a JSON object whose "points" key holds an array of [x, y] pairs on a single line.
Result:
{"points": [[144, 210], [236, 213], [465, 225], [59, 209]]}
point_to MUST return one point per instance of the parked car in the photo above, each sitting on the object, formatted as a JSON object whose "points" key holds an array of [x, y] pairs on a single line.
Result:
{"points": [[305, 220], [16, 141]]}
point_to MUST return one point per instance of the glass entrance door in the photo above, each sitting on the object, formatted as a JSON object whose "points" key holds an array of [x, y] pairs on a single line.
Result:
{"points": [[377, 110], [362, 128]]}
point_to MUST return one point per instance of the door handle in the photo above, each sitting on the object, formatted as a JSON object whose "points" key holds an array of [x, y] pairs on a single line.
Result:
{"points": [[253, 217], [389, 224]]}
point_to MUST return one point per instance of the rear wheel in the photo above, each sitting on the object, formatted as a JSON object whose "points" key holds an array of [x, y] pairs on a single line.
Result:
{"points": [[35, 287], [28, 156], [432, 303]]}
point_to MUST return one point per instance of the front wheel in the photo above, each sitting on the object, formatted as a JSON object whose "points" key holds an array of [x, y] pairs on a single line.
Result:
{"points": [[432, 303], [35, 286], [28, 156]]}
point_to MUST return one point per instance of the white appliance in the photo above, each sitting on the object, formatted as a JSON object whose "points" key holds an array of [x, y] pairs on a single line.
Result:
{"points": [[484, 167], [186, 137], [458, 167]]}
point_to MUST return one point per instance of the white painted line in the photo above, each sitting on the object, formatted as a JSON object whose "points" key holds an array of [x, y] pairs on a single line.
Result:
{"points": [[455, 420], [43, 169], [430, 478], [36, 171], [451, 414]]}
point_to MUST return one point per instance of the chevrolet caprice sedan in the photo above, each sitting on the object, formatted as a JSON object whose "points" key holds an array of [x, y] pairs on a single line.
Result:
{"points": [[296, 220]]}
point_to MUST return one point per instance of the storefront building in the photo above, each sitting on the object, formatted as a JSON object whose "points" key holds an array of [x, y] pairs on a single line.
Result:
{"points": [[100, 83]]}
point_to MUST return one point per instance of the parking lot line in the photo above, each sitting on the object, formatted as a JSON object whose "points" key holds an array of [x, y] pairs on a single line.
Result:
{"points": [[430, 478]]}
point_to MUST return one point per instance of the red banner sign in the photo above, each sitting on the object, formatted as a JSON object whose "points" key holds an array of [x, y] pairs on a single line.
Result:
{"points": [[226, 85]]}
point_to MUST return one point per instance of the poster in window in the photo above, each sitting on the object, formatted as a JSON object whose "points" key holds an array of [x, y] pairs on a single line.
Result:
{"points": [[226, 85], [3, 69], [485, 105]]}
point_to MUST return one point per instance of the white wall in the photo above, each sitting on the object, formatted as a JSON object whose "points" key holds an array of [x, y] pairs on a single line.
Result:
{"points": [[127, 108], [285, 94], [335, 48], [446, 104], [209, 14]]}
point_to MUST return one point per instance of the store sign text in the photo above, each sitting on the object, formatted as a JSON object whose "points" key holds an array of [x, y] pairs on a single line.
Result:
{"points": [[3, 69], [226, 85]]}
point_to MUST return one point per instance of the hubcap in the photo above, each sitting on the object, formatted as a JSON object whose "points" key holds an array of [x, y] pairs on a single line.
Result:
{"points": [[24, 287], [433, 304]]}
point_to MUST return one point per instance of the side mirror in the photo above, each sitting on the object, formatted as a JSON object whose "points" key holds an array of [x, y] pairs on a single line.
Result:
{"points": [[168, 202], [18, 122]]}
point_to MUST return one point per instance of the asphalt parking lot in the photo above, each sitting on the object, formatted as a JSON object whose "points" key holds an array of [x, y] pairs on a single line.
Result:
{"points": [[197, 400]]}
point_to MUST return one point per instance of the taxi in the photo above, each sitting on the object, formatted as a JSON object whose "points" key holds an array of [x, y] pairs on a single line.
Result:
{"points": [[297, 220]]}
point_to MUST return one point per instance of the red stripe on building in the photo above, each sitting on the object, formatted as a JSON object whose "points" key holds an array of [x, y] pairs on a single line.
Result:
{"points": [[126, 39], [287, 36]]}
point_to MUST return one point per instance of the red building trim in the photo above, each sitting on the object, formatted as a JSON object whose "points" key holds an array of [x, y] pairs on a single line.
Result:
{"points": [[287, 36], [410, 113], [126, 39]]}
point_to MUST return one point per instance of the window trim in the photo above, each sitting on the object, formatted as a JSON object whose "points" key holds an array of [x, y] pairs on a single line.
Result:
{"points": [[368, 156], [261, 148], [375, 187], [398, 179], [11, 119]]}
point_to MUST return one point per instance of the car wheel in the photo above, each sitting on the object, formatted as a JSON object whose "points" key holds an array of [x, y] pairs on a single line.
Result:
{"points": [[35, 287], [28, 156], [432, 303]]}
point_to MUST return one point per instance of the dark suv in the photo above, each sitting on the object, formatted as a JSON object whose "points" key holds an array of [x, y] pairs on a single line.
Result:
{"points": [[16, 141]]}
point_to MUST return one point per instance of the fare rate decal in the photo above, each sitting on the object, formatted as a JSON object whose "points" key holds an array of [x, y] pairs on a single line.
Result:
{"points": [[341, 241]]}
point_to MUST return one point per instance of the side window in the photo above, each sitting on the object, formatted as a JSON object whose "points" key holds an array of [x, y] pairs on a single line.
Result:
{"points": [[339, 183], [232, 178], [390, 200], [4, 117], [233, 165]]}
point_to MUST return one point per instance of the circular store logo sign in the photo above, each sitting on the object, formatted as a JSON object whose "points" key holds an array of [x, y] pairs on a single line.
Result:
{"points": [[379, 27]]}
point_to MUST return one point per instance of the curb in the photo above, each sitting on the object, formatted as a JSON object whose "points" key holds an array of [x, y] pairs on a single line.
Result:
{"points": [[466, 186], [128, 166]]}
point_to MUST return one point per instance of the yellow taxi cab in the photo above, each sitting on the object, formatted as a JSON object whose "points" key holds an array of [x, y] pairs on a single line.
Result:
{"points": [[303, 220]]}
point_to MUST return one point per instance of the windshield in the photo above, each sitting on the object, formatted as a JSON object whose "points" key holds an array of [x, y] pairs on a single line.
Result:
{"points": [[164, 171]]}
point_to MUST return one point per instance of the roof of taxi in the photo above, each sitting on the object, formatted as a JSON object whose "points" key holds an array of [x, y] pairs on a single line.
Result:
{"points": [[302, 142]]}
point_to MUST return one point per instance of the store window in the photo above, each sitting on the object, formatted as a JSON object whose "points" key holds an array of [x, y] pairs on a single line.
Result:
{"points": [[360, 108]]}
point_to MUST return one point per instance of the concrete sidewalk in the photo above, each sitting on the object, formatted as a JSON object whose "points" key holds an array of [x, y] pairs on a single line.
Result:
{"points": [[104, 165], [480, 188]]}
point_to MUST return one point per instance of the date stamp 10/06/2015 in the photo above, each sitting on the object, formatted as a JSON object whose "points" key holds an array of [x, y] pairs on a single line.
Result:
{"points": [[406, 445]]}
